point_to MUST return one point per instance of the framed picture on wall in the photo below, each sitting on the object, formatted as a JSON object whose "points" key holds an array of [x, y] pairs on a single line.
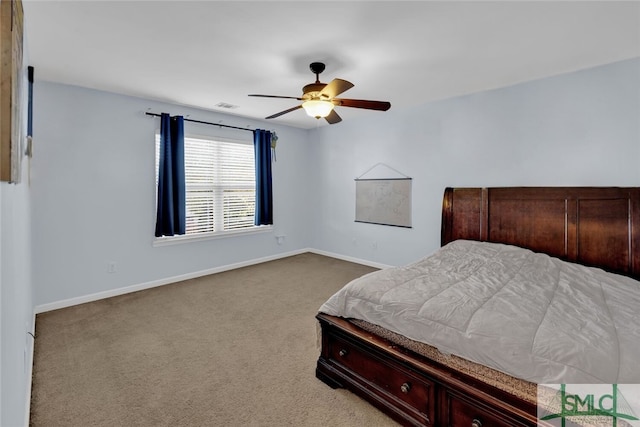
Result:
{"points": [[11, 83]]}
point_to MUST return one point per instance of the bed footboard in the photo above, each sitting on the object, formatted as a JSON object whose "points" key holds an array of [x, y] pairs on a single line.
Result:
{"points": [[410, 388]]}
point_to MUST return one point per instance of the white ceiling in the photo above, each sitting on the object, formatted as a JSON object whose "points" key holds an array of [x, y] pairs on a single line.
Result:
{"points": [[201, 53]]}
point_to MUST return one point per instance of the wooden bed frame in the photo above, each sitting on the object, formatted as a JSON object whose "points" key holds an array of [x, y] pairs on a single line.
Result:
{"points": [[596, 226]]}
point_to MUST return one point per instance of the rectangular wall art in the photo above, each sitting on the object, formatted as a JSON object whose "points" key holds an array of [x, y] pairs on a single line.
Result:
{"points": [[384, 201], [11, 73]]}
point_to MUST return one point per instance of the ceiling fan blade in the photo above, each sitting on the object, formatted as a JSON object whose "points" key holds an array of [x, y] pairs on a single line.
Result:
{"points": [[335, 88], [333, 117], [284, 112], [362, 103], [276, 96]]}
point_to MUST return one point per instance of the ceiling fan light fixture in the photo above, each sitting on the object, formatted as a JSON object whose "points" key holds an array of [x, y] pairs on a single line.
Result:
{"points": [[317, 108], [320, 98]]}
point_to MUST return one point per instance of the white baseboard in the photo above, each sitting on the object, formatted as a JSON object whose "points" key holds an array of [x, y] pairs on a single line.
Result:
{"points": [[350, 259], [155, 283]]}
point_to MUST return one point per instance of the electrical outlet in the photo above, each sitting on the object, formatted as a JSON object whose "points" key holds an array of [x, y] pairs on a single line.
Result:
{"points": [[111, 267], [280, 239]]}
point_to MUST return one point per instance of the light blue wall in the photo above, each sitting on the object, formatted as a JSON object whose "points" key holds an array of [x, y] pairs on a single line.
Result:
{"points": [[94, 194], [579, 129], [93, 173], [16, 304]]}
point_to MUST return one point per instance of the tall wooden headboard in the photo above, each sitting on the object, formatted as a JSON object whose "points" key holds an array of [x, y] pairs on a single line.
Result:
{"points": [[596, 226]]}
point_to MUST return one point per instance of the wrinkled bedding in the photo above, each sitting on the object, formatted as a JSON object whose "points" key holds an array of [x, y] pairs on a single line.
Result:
{"points": [[523, 313]]}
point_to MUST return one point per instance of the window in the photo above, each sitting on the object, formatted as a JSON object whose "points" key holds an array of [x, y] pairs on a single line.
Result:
{"points": [[220, 184]]}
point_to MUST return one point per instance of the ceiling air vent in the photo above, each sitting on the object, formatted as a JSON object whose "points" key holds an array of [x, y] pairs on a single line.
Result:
{"points": [[225, 105]]}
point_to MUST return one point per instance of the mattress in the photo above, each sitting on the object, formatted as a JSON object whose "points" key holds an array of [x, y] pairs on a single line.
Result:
{"points": [[526, 314]]}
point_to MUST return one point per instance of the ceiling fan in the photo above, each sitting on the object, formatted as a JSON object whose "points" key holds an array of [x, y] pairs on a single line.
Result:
{"points": [[320, 98]]}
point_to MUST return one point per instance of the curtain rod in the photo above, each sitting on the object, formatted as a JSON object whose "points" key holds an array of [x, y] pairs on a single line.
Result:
{"points": [[204, 123]]}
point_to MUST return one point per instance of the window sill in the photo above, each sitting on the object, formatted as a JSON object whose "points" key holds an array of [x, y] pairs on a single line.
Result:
{"points": [[188, 238]]}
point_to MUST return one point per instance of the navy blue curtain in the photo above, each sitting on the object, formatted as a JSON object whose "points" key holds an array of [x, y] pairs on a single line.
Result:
{"points": [[170, 216], [264, 196]]}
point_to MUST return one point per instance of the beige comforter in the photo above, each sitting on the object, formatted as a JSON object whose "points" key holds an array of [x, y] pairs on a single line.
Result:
{"points": [[523, 313]]}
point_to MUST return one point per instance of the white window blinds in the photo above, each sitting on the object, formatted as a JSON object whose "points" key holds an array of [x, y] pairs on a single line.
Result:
{"points": [[220, 185]]}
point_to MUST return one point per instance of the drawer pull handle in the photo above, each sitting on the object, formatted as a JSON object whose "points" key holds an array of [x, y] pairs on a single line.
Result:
{"points": [[343, 352], [406, 387], [476, 423]]}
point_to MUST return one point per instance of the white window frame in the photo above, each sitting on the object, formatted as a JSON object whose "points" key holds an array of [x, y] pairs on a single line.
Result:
{"points": [[184, 238]]}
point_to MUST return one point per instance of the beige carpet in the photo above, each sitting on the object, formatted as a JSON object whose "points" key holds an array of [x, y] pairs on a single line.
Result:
{"points": [[231, 349]]}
